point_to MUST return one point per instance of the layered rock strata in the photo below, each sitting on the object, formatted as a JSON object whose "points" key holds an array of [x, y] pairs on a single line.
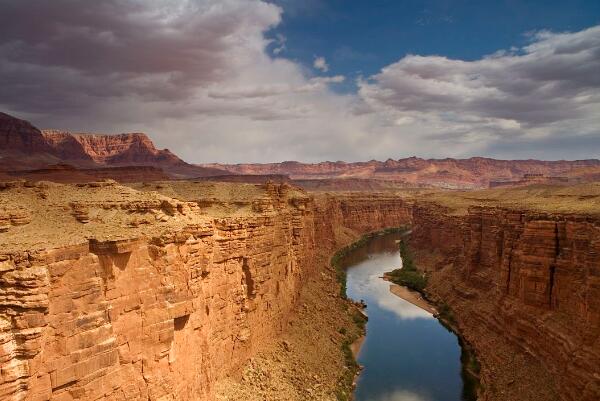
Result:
{"points": [[525, 289], [131, 294], [157, 291]]}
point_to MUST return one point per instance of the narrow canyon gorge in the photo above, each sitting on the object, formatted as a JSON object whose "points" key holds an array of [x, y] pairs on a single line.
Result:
{"points": [[182, 290], [287, 200]]}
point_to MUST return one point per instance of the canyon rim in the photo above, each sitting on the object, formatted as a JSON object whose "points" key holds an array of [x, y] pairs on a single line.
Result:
{"points": [[224, 267]]}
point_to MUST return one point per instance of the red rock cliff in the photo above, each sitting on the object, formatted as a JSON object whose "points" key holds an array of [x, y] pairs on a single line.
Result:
{"points": [[522, 285], [159, 314], [111, 150], [171, 292], [454, 173]]}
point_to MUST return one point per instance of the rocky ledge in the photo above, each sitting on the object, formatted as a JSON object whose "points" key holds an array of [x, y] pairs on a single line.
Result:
{"points": [[159, 292]]}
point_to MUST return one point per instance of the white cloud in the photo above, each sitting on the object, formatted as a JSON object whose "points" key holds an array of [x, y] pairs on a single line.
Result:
{"points": [[546, 90], [321, 64], [197, 76]]}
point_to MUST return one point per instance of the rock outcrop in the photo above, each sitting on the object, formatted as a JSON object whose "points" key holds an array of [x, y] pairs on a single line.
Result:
{"points": [[24, 147], [142, 296], [109, 149], [522, 284], [20, 136]]}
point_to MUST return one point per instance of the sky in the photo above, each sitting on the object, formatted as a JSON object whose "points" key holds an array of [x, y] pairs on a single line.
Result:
{"points": [[311, 80]]}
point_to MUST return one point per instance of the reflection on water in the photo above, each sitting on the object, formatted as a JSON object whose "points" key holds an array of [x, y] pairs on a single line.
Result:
{"points": [[401, 395], [407, 354], [364, 281]]}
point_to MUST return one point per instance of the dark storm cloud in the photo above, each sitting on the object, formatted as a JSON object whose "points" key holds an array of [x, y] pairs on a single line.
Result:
{"points": [[68, 53], [196, 75], [111, 37]]}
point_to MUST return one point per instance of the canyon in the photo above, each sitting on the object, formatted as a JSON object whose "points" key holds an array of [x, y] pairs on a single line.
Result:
{"points": [[111, 292], [176, 289], [531, 275], [219, 287]]}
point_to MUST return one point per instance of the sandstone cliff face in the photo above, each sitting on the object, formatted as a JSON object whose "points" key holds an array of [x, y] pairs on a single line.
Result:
{"points": [[66, 147], [528, 279], [158, 291], [134, 148], [159, 314], [110, 150], [359, 213]]}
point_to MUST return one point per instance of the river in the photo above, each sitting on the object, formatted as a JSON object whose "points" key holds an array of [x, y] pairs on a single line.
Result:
{"points": [[407, 354]]}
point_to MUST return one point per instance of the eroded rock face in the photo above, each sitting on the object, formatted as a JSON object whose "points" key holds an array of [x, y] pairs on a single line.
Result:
{"points": [[177, 286], [130, 149], [163, 317], [108, 149], [13, 216], [530, 279]]}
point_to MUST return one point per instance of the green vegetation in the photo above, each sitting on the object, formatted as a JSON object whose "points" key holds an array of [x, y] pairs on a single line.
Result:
{"points": [[468, 358], [470, 371], [360, 320], [446, 316], [344, 388], [408, 275]]}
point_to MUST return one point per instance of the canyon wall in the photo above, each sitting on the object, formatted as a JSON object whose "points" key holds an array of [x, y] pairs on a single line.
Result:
{"points": [[163, 316], [155, 292], [522, 284]]}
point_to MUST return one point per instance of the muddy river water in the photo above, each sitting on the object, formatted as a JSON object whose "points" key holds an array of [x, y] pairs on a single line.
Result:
{"points": [[407, 354]]}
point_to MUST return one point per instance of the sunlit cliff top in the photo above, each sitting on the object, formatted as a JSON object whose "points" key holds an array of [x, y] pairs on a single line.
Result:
{"points": [[579, 199], [35, 216]]}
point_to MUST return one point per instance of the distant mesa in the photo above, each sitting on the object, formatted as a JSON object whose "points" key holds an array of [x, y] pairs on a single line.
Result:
{"points": [[475, 172], [28, 152]]}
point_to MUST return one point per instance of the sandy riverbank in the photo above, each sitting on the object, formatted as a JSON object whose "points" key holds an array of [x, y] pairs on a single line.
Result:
{"points": [[411, 296]]}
